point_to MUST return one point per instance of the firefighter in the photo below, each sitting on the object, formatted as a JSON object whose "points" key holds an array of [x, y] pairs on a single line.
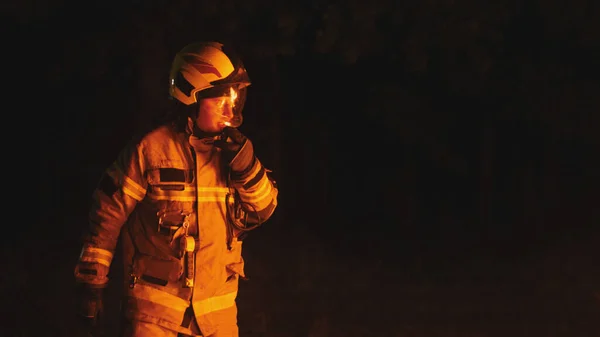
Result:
{"points": [[180, 198]]}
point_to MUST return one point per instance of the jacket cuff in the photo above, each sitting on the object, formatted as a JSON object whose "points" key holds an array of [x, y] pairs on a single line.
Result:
{"points": [[93, 275]]}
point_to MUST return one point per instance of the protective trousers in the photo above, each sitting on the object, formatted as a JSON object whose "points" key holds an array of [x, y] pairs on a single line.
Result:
{"points": [[136, 328]]}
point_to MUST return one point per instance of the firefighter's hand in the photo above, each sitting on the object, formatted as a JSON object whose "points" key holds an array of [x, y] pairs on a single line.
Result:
{"points": [[237, 150], [90, 307]]}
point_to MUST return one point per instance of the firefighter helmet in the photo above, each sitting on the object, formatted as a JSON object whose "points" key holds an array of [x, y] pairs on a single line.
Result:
{"points": [[207, 69]]}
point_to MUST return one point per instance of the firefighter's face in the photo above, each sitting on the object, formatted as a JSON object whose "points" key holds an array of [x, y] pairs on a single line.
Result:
{"points": [[214, 113]]}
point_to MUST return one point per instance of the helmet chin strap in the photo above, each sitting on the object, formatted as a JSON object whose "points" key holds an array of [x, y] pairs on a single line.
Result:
{"points": [[203, 134]]}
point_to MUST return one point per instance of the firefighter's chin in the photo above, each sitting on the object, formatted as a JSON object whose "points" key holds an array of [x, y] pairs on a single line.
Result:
{"points": [[227, 124]]}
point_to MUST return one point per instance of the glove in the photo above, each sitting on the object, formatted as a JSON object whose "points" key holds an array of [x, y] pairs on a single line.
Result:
{"points": [[236, 149], [90, 307]]}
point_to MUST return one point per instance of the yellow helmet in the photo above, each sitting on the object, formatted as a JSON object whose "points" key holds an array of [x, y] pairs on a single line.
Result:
{"points": [[207, 69]]}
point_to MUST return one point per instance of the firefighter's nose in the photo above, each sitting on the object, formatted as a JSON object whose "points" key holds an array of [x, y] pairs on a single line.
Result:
{"points": [[227, 110]]}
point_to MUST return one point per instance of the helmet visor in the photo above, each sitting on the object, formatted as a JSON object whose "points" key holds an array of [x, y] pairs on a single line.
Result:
{"points": [[233, 98]]}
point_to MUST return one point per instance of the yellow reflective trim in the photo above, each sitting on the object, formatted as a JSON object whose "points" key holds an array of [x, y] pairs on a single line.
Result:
{"points": [[131, 183], [265, 198], [98, 251], [187, 198], [213, 189], [129, 186], [187, 187], [263, 191], [171, 197], [212, 199], [98, 260], [215, 303], [202, 194], [132, 194], [158, 296], [255, 170], [96, 255], [161, 188], [185, 195]]}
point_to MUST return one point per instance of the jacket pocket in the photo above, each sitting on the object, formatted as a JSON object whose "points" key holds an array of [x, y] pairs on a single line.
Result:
{"points": [[158, 271], [234, 262]]}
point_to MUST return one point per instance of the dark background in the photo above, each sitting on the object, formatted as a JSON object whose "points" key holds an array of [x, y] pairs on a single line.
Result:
{"points": [[437, 160]]}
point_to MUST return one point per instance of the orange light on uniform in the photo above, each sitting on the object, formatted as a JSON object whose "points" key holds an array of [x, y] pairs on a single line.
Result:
{"points": [[232, 98]]}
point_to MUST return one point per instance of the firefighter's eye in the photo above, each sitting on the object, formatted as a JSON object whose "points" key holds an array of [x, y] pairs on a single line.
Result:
{"points": [[223, 101]]}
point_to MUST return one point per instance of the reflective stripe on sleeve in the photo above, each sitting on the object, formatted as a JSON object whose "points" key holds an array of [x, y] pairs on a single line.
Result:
{"points": [[129, 186], [96, 255], [132, 189], [257, 173], [260, 191]]}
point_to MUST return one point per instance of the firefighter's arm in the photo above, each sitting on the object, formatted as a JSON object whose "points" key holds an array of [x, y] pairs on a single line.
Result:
{"points": [[257, 190], [121, 187]]}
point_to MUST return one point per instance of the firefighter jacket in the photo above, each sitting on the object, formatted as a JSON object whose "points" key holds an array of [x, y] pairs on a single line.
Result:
{"points": [[159, 187]]}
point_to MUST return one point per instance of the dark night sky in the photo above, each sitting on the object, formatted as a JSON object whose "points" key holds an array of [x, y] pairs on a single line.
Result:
{"points": [[441, 157]]}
